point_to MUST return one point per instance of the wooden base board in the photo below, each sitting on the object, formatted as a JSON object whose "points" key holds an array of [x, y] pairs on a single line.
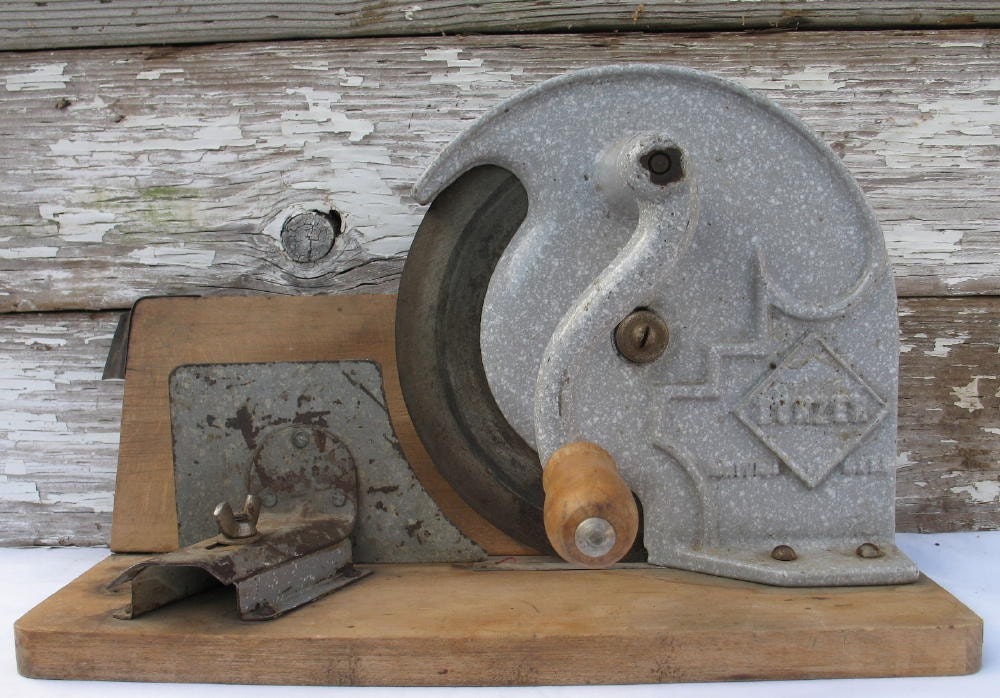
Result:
{"points": [[443, 625]]}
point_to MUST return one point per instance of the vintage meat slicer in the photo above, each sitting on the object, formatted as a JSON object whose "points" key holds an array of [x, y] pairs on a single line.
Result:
{"points": [[648, 316]]}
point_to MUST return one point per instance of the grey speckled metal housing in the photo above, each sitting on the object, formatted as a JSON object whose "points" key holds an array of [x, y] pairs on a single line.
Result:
{"points": [[771, 417]]}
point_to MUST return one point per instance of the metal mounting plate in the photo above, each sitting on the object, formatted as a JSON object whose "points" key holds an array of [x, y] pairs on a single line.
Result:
{"points": [[225, 415]]}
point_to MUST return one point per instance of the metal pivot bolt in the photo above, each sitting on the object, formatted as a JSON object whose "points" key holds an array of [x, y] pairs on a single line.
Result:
{"points": [[241, 524], [308, 237], [663, 165], [642, 337]]}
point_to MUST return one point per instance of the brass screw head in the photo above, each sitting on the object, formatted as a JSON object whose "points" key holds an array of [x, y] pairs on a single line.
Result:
{"points": [[642, 337]]}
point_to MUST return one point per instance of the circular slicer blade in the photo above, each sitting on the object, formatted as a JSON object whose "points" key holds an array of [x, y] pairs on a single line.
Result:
{"points": [[447, 272]]}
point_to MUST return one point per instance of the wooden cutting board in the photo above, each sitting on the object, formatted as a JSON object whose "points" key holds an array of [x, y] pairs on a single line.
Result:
{"points": [[445, 625]]}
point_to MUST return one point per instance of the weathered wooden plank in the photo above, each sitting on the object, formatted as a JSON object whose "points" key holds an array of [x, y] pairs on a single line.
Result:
{"points": [[444, 625], [949, 416], [76, 23], [127, 172], [58, 429], [59, 422]]}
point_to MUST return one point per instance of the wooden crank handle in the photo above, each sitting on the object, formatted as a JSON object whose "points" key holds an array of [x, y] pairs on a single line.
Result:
{"points": [[591, 518]]}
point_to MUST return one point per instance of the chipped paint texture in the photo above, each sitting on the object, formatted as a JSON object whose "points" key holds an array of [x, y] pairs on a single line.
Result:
{"points": [[466, 73], [986, 492], [949, 415], [58, 429], [39, 77], [968, 395], [127, 172], [943, 345]]}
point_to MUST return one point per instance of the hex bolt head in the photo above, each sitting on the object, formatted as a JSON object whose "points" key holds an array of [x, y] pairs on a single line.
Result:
{"points": [[308, 237], [784, 553], [869, 551], [642, 337]]}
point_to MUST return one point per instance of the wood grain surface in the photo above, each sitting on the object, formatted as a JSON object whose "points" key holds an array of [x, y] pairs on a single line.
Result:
{"points": [[132, 172], [410, 625], [59, 437], [77, 23]]}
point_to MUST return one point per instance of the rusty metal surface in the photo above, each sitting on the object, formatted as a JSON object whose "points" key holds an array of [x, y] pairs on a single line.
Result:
{"points": [[274, 572], [291, 433]]}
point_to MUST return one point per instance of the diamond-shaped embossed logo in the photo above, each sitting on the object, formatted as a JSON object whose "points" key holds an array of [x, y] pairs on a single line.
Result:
{"points": [[812, 410]]}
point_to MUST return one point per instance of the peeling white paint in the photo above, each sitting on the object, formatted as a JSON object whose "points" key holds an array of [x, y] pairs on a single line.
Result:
{"points": [[320, 118], [915, 240], [98, 502], [943, 345], [903, 459], [905, 348], [984, 492], [28, 252], [949, 133], [471, 73], [159, 255], [968, 395], [156, 74], [19, 491], [991, 430], [410, 12], [816, 78], [29, 341], [78, 225], [187, 133], [348, 80], [47, 76]]}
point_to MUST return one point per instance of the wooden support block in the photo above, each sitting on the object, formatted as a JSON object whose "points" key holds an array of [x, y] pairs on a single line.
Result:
{"points": [[443, 625], [171, 332]]}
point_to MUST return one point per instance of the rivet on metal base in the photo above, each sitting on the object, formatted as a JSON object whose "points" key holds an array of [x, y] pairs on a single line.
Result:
{"points": [[869, 551], [784, 553]]}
